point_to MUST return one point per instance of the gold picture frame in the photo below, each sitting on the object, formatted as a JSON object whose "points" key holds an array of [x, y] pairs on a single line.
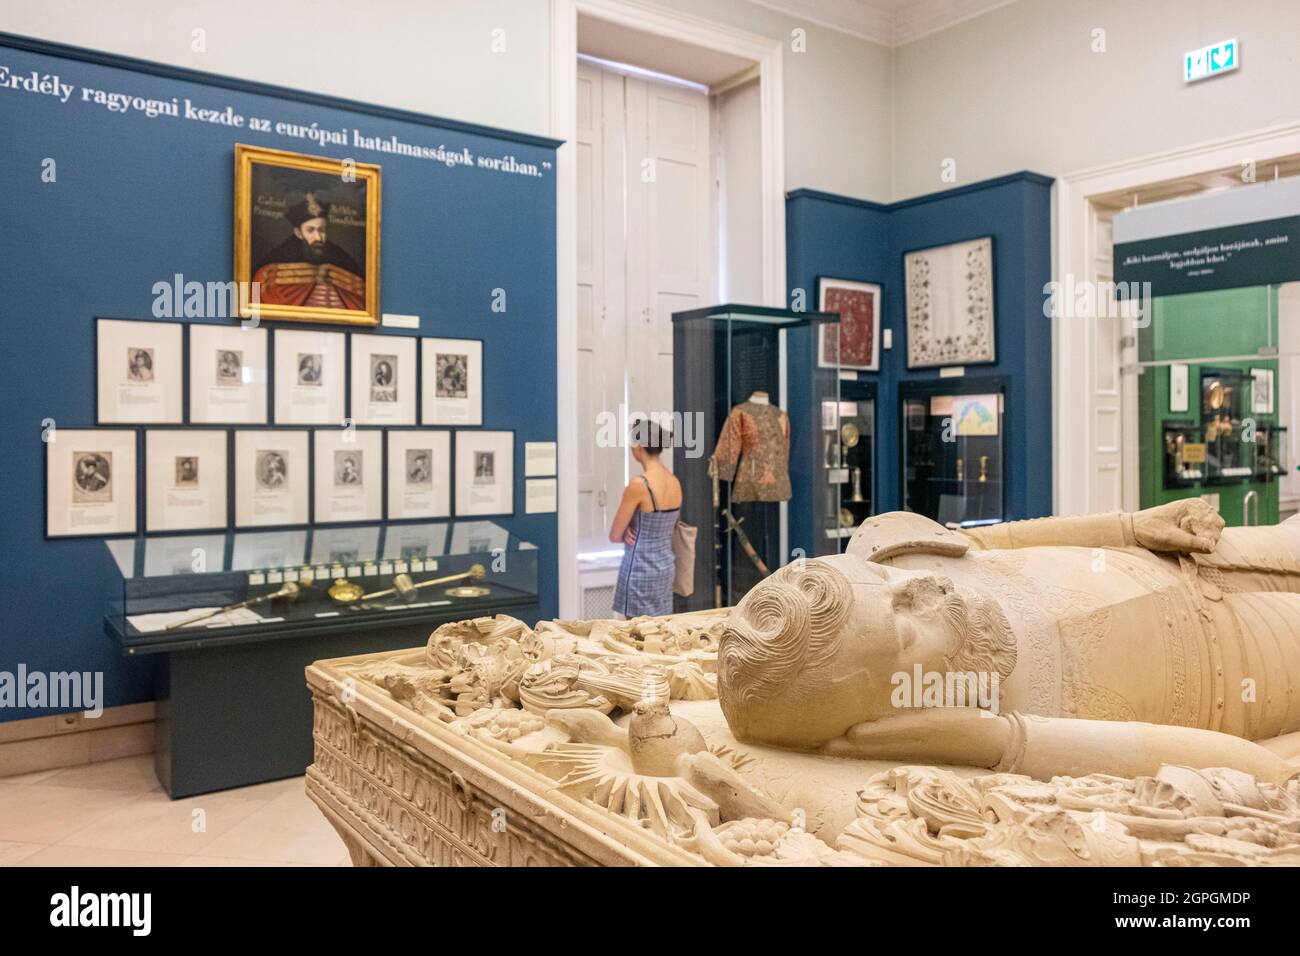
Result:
{"points": [[306, 237]]}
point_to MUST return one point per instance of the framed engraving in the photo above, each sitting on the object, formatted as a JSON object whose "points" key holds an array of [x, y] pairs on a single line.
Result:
{"points": [[419, 474], [272, 477], [306, 237], [1178, 393], [452, 381], [185, 479], [349, 475], [1261, 391], [138, 372], [228, 375], [383, 379], [857, 347], [950, 305], [90, 488], [309, 377], [485, 473]]}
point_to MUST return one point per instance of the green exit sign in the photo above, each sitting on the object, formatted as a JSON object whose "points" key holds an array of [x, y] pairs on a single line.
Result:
{"points": [[1211, 60]]}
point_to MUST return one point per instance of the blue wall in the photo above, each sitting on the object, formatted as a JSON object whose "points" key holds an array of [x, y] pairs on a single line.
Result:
{"points": [[828, 235], [137, 200]]}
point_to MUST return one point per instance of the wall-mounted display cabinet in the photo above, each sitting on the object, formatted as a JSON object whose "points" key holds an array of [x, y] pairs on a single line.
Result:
{"points": [[954, 459]]}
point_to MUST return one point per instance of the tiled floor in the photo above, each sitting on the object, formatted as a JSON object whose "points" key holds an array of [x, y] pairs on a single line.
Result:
{"points": [[115, 814]]}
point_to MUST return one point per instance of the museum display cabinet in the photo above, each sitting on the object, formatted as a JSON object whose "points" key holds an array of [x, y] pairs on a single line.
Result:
{"points": [[769, 441], [1270, 451], [1227, 456], [228, 621], [954, 457], [1184, 454], [853, 446]]}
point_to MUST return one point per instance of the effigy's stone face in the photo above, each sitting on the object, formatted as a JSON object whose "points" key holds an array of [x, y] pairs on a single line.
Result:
{"points": [[602, 742]]}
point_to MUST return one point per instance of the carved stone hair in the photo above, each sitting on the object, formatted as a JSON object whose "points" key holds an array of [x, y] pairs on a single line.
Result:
{"points": [[789, 625]]}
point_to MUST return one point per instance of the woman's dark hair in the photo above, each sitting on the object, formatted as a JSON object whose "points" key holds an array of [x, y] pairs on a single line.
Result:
{"points": [[650, 435]]}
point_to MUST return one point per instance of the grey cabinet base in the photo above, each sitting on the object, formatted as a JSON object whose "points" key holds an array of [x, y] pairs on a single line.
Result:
{"points": [[234, 715]]}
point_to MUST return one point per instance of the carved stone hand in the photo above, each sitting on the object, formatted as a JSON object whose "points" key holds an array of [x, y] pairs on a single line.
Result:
{"points": [[1185, 526]]}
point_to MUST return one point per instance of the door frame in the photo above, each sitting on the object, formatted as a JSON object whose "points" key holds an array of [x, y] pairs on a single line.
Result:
{"points": [[1074, 357], [768, 54]]}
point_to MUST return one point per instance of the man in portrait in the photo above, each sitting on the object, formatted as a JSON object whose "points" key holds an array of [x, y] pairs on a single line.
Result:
{"points": [[306, 269], [309, 368], [349, 471], [140, 365], [417, 467], [230, 367]]}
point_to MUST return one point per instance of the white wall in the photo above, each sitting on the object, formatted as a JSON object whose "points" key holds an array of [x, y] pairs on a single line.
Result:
{"points": [[1020, 88], [837, 99], [432, 56], [436, 56]]}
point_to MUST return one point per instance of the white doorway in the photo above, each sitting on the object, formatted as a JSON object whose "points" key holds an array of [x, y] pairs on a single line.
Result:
{"points": [[670, 196], [1095, 406]]}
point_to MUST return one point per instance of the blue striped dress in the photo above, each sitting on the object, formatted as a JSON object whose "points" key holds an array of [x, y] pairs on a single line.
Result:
{"points": [[645, 577]]}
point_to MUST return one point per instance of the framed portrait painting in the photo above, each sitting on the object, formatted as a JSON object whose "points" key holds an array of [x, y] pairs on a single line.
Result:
{"points": [[950, 305], [419, 473], [858, 306], [138, 372], [185, 479], [228, 375], [90, 482], [349, 475], [306, 237], [271, 478], [485, 473], [383, 379], [309, 372], [451, 381]]}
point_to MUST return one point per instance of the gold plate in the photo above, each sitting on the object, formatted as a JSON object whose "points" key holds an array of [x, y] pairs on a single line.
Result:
{"points": [[850, 435], [344, 591], [467, 591]]}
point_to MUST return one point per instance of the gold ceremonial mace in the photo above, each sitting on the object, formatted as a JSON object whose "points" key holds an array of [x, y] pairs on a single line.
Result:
{"points": [[402, 583], [290, 591]]}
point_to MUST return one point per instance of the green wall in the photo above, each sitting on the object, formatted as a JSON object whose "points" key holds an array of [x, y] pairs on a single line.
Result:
{"points": [[1188, 328]]}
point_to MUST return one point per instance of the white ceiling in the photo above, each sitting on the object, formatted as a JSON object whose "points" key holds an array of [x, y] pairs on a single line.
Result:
{"points": [[888, 22]]}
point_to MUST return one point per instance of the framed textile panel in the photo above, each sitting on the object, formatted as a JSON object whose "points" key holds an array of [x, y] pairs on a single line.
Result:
{"points": [[950, 304], [858, 306]]}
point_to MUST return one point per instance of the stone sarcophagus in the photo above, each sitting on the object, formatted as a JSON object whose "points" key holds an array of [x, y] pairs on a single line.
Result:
{"points": [[604, 743]]}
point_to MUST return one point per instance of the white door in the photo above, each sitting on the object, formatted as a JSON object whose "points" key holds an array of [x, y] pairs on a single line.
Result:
{"points": [[645, 251]]}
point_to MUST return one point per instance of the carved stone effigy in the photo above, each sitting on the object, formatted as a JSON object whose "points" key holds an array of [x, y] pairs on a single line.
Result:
{"points": [[570, 745]]}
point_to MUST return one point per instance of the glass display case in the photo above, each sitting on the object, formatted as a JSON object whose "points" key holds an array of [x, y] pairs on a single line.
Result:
{"points": [[184, 591], [851, 448], [1270, 451], [1184, 454], [953, 451], [1227, 456], [754, 386]]}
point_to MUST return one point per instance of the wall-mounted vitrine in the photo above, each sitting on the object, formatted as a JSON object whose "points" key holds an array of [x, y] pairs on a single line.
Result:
{"points": [[954, 456]]}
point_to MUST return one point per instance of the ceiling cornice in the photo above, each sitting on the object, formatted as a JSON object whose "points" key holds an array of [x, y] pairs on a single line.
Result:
{"points": [[860, 18]]}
